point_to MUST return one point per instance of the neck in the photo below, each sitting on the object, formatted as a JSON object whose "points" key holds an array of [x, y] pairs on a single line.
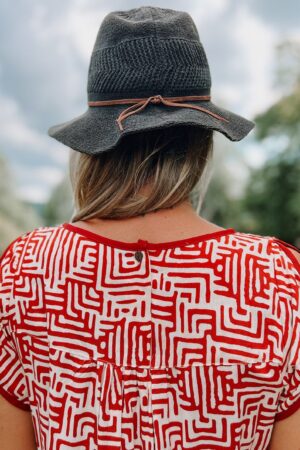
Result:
{"points": [[168, 218]]}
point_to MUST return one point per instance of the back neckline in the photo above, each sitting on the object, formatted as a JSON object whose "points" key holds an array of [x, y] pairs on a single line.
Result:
{"points": [[145, 244]]}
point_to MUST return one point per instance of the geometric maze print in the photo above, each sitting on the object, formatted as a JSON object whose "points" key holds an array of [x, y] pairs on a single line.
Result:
{"points": [[188, 348]]}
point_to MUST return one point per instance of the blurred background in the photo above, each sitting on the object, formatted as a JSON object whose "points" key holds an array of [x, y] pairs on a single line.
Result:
{"points": [[253, 48]]}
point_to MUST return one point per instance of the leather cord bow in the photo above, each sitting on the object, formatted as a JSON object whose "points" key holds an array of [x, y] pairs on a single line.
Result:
{"points": [[140, 103]]}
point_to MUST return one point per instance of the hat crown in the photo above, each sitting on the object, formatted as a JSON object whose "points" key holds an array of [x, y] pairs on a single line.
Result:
{"points": [[152, 59], [143, 22], [147, 51]]}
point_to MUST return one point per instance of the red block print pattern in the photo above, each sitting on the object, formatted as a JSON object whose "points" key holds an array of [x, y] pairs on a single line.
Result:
{"points": [[194, 346]]}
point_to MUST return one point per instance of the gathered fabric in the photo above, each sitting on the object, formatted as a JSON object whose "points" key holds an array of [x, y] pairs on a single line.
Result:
{"points": [[150, 346]]}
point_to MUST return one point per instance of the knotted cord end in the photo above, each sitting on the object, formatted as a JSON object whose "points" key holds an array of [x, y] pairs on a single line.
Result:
{"points": [[140, 103], [119, 124]]}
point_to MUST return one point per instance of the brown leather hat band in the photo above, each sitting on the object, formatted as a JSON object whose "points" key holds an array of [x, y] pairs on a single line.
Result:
{"points": [[140, 103], [156, 99]]}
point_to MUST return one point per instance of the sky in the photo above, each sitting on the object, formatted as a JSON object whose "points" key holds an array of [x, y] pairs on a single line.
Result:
{"points": [[45, 50]]}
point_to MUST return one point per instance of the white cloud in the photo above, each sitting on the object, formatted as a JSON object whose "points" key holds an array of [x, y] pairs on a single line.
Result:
{"points": [[204, 11], [77, 27], [34, 193], [13, 127], [36, 183], [254, 154], [256, 40], [16, 133], [51, 175], [46, 83], [28, 150], [82, 26]]}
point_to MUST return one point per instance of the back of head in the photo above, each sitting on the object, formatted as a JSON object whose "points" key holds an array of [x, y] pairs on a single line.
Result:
{"points": [[148, 171]]}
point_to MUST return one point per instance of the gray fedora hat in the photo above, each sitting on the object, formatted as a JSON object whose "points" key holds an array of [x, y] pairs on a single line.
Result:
{"points": [[148, 70]]}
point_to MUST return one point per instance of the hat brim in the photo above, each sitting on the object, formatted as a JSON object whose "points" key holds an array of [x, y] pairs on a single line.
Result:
{"points": [[96, 130]]}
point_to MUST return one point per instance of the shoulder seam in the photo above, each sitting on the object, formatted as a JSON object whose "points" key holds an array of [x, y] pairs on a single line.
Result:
{"points": [[286, 247], [11, 247]]}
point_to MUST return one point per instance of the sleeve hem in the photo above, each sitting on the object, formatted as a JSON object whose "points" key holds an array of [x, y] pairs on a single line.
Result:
{"points": [[288, 412], [13, 400]]}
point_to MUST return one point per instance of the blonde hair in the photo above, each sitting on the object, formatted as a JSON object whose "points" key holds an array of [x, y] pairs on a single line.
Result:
{"points": [[170, 161]]}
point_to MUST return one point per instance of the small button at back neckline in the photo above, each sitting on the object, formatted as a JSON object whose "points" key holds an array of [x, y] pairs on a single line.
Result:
{"points": [[138, 255]]}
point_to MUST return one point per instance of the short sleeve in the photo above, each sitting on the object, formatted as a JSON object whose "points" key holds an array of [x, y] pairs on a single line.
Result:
{"points": [[13, 386], [287, 272]]}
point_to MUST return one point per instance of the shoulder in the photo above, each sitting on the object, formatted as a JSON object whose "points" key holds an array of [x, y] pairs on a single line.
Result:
{"points": [[286, 256], [296, 254], [28, 243], [282, 254], [251, 242]]}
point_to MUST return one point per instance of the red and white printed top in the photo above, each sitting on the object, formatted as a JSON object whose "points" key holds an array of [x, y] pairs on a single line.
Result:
{"points": [[193, 345]]}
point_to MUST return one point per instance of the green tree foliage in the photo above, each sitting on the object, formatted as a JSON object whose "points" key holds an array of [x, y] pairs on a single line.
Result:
{"points": [[273, 198], [273, 192], [229, 169], [282, 118], [16, 217]]}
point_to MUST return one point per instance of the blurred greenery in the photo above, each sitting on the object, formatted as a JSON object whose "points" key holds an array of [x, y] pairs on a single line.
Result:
{"points": [[15, 215], [59, 207], [270, 201], [264, 200], [272, 196]]}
